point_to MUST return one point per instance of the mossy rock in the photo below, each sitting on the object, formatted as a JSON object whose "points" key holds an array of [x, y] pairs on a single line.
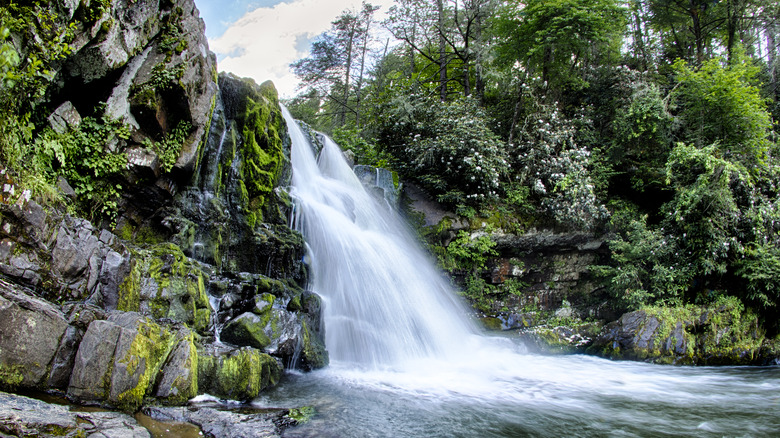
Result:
{"points": [[119, 360], [723, 333], [313, 352], [248, 329], [178, 381], [164, 283], [239, 375]]}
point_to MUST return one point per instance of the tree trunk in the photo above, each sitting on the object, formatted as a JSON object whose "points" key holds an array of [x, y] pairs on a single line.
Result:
{"points": [[442, 52]]}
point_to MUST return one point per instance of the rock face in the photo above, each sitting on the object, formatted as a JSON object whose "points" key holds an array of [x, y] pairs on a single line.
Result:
{"points": [[120, 313], [65, 256]]}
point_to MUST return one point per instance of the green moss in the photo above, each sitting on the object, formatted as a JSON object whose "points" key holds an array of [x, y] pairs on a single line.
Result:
{"points": [[245, 373], [262, 151], [301, 415], [146, 354], [492, 324], [130, 290], [10, 377]]}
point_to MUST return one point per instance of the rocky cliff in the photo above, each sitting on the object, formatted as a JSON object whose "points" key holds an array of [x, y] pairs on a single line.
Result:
{"points": [[163, 267]]}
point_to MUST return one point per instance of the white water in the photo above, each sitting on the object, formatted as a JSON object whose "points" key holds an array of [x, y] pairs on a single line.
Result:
{"points": [[405, 360], [384, 302]]}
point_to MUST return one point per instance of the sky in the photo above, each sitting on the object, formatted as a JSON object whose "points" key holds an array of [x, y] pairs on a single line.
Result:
{"points": [[260, 38]]}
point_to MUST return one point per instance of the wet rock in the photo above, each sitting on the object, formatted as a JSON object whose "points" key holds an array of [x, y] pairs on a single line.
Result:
{"points": [[124, 29], [381, 181], [24, 416], [238, 374], [560, 339], [30, 333], [65, 118], [222, 423], [119, 359]]}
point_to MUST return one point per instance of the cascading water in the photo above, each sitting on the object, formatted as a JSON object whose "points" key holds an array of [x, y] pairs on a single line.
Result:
{"points": [[406, 362], [385, 304]]}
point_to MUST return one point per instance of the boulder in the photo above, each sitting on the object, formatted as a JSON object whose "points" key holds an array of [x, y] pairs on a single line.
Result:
{"points": [[64, 118], [238, 374], [30, 334], [119, 360], [249, 330]]}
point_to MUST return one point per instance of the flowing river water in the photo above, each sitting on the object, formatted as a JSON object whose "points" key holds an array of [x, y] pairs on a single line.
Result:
{"points": [[406, 361]]}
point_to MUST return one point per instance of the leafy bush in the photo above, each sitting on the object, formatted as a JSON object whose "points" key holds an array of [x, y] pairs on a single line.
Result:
{"points": [[451, 150], [557, 169], [84, 157]]}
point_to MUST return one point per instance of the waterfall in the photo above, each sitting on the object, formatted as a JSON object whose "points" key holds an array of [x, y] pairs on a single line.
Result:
{"points": [[385, 303]]}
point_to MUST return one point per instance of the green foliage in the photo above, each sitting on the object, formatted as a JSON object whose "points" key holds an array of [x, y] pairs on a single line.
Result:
{"points": [[706, 211], [169, 148], [642, 137], [760, 270], [552, 38], [719, 104], [84, 157], [646, 268], [172, 34], [365, 153], [472, 252]]}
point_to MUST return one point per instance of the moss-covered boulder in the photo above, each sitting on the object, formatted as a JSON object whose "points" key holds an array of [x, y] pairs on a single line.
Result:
{"points": [[236, 374], [119, 360], [164, 283], [722, 333]]}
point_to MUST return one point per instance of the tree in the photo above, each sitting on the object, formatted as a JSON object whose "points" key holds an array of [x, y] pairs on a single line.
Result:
{"points": [[336, 56], [719, 104]]}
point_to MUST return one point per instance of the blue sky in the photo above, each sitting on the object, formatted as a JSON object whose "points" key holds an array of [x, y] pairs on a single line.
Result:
{"points": [[219, 15], [260, 38]]}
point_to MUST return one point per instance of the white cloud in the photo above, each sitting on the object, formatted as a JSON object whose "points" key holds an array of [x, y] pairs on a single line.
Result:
{"points": [[264, 42]]}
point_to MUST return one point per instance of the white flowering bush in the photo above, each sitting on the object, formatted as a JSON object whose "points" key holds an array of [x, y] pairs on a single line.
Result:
{"points": [[452, 151], [557, 170]]}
